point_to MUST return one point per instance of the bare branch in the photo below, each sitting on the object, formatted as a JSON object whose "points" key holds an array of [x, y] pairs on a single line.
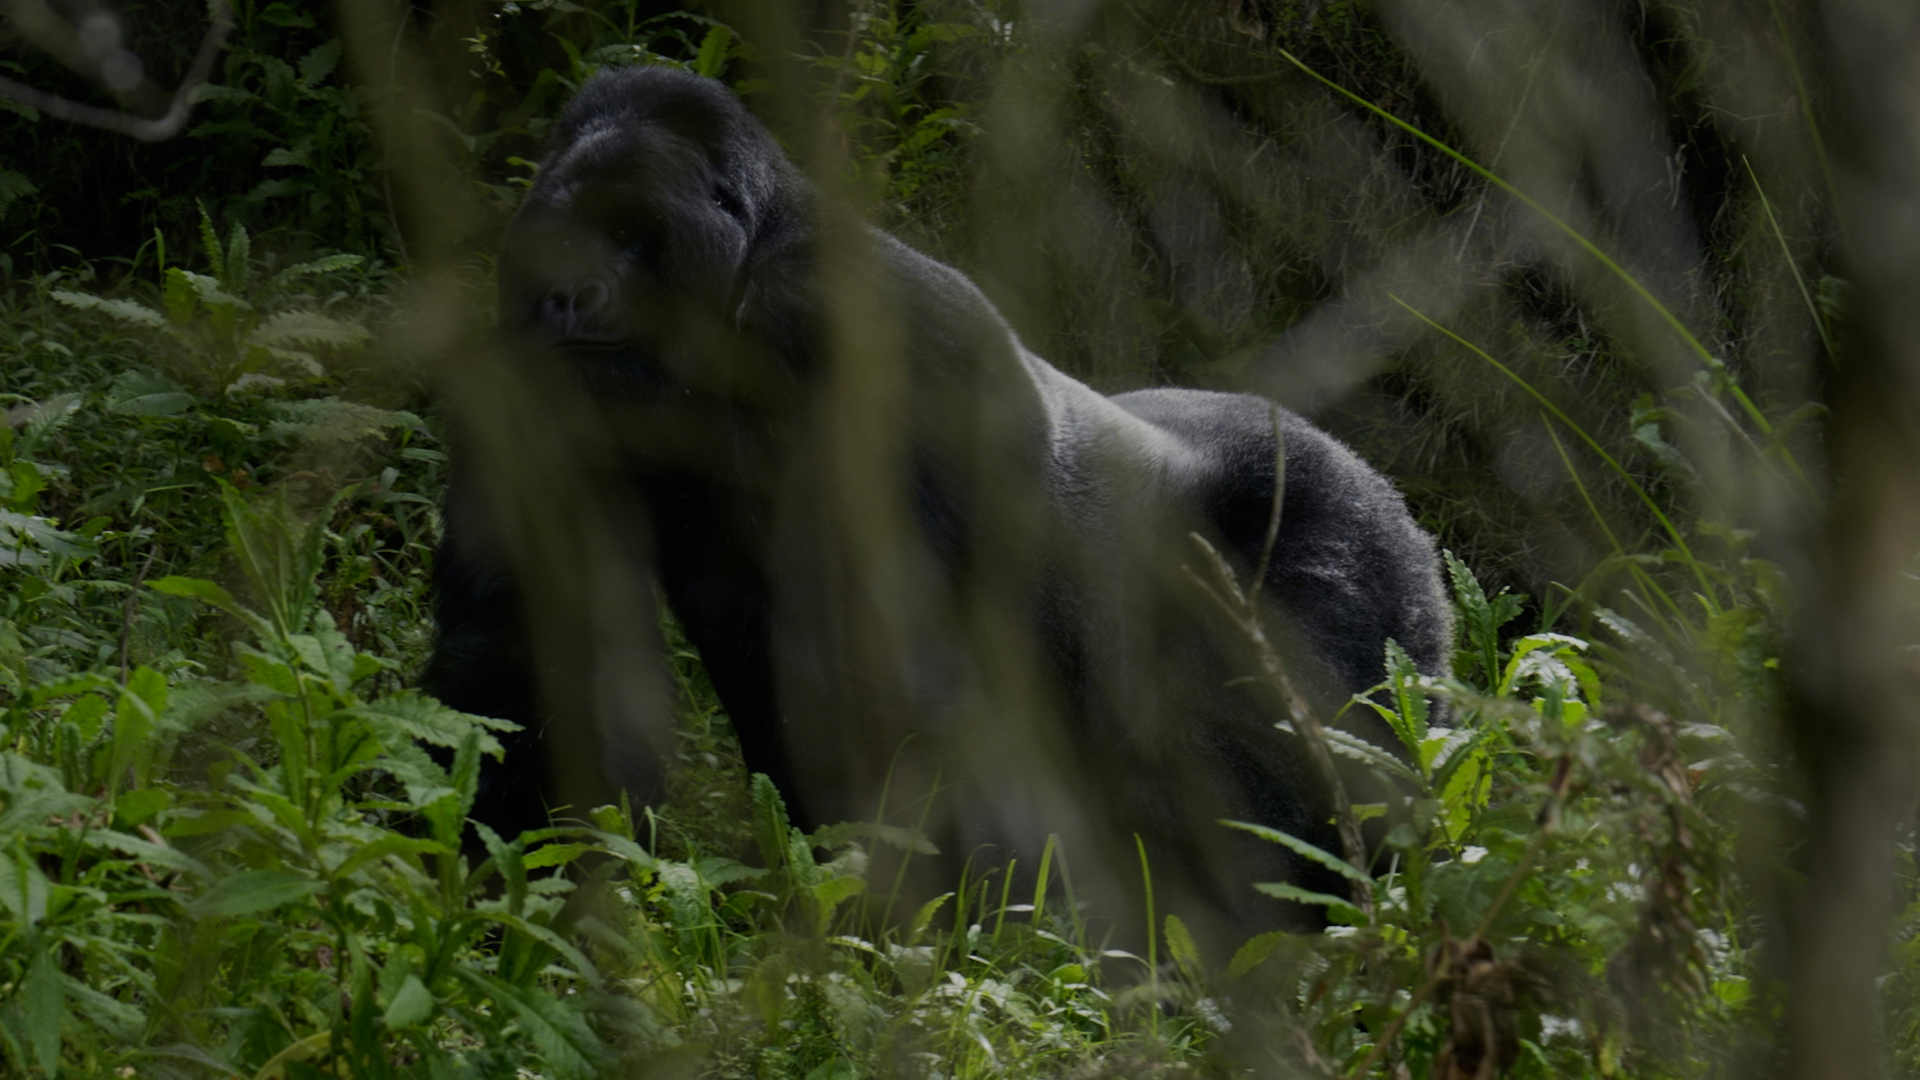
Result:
{"points": [[63, 44], [1244, 612]]}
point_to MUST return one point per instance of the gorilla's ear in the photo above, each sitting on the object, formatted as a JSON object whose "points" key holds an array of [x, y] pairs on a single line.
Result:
{"points": [[774, 290]]}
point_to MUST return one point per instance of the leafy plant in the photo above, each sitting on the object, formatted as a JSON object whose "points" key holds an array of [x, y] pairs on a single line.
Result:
{"points": [[225, 335]]}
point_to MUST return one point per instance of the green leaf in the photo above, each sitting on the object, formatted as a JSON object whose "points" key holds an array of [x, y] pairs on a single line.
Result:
{"points": [[23, 889], [1349, 745], [1293, 843], [925, 915], [555, 855], [390, 844], [1255, 952], [415, 715], [1181, 946], [769, 821], [1461, 793], [251, 892], [141, 705], [847, 832], [711, 60], [1340, 909], [125, 310], [555, 1024], [324, 265], [166, 403], [139, 806], [87, 714], [288, 329], [1537, 656], [13, 187], [318, 64], [197, 589], [235, 272], [828, 895], [179, 297], [1481, 618], [412, 1003], [40, 1004], [1409, 715], [146, 851], [210, 240]]}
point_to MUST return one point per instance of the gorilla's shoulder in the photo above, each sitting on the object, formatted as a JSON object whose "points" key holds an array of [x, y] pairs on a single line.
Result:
{"points": [[1234, 435]]}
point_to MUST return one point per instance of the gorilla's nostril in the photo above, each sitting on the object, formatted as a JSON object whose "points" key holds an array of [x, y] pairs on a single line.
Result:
{"points": [[591, 298], [578, 307]]}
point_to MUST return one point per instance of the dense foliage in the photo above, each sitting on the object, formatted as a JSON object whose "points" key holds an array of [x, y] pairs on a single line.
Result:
{"points": [[233, 839]]}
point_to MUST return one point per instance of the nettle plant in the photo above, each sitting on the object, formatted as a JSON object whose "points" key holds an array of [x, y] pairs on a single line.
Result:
{"points": [[233, 330]]}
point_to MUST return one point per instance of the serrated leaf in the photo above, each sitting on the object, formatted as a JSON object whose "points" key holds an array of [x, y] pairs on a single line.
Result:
{"points": [[318, 64], [1337, 907], [19, 530], [124, 310], [711, 60], [385, 846], [769, 821], [417, 716], [287, 329], [925, 915], [561, 1033], [178, 295], [13, 187], [235, 272], [146, 851], [1255, 952], [87, 714], [210, 240], [1183, 949], [323, 265], [170, 403], [1300, 847], [1349, 745], [555, 855], [847, 832]]}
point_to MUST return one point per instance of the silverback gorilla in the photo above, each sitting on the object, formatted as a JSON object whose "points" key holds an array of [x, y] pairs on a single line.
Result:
{"points": [[1013, 650]]}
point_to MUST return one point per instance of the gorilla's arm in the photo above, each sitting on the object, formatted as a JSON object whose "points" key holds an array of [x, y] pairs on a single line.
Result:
{"points": [[481, 662], [718, 590]]}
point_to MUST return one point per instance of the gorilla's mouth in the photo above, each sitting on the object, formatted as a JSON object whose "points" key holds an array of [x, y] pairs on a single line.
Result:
{"points": [[612, 365], [593, 346]]}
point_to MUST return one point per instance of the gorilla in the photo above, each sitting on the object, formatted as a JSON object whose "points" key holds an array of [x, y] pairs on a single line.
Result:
{"points": [[934, 580]]}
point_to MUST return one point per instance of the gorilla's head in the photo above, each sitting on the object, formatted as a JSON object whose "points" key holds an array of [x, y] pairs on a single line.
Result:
{"points": [[650, 232]]}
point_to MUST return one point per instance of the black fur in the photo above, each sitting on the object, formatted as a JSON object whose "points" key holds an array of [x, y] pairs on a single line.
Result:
{"points": [[1031, 647]]}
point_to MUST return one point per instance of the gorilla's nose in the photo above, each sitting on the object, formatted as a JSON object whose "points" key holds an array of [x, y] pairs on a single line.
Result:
{"points": [[579, 309]]}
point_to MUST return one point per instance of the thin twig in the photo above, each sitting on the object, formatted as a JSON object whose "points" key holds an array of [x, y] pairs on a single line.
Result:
{"points": [[126, 615], [1273, 518], [1241, 610]]}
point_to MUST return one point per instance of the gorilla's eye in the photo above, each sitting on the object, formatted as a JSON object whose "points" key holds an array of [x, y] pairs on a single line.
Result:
{"points": [[728, 202], [623, 235]]}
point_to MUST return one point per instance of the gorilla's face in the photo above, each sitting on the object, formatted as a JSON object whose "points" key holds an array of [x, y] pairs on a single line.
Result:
{"points": [[635, 253]]}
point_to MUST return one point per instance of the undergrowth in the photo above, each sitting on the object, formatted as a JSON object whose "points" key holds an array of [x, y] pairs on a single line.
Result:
{"points": [[234, 837]]}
